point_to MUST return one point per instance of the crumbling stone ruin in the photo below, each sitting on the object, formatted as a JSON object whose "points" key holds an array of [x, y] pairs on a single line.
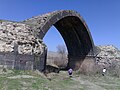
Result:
{"points": [[109, 58], [19, 48], [107, 55]]}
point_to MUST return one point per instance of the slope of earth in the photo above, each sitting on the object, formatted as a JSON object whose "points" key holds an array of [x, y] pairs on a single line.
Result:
{"points": [[29, 80]]}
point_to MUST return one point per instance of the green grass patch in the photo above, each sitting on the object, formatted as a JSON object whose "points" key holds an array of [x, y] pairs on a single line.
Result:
{"points": [[59, 81]]}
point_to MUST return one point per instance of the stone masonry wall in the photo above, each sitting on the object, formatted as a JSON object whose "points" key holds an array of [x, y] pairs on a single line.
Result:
{"points": [[11, 32], [24, 62]]}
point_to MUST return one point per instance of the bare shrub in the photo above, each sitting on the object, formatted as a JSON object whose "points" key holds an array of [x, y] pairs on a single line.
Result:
{"points": [[61, 50], [61, 59], [62, 63], [57, 59]]}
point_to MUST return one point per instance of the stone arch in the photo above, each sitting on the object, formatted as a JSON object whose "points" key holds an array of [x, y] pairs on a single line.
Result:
{"points": [[73, 29]]}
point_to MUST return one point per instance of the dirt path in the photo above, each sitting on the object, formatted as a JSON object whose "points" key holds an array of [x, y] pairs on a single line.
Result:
{"points": [[21, 76], [87, 84]]}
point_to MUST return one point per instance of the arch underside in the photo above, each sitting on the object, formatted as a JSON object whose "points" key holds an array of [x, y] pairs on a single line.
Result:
{"points": [[75, 36]]}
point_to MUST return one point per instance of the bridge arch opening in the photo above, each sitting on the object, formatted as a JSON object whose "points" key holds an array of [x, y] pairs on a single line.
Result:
{"points": [[53, 38], [77, 39], [54, 41]]}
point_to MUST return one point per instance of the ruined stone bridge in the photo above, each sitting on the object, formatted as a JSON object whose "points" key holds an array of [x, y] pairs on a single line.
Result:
{"points": [[72, 27]]}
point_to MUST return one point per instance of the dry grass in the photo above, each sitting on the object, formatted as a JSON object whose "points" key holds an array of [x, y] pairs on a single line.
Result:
{"points": [[55, 81]]}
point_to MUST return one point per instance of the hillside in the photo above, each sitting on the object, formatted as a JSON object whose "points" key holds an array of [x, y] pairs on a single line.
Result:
{"points": [[29, 80], [34, 80]]}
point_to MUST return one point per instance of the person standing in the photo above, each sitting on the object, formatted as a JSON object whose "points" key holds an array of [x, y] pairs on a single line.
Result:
{"points": [[103, 71], [70, 71]]}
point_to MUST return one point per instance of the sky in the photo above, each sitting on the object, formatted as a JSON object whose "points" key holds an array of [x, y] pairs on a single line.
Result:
{"points": [[101, 16]]}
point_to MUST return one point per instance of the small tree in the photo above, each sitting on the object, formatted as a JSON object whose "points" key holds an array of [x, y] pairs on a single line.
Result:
{"points": [[61, 59], [61, 49]]}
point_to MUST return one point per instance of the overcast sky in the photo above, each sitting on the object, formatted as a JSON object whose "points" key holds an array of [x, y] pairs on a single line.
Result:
{"points": [[101, 16]]}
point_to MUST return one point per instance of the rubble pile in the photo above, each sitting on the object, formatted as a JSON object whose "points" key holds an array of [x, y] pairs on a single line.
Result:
{"points": [[22, 34]]}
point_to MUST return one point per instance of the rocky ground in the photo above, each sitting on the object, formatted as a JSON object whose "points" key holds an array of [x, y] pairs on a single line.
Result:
{"points": [[108, 54]]}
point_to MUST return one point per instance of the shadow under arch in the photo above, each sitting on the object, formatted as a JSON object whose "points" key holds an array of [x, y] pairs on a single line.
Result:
{"points": [[72, 28]]}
